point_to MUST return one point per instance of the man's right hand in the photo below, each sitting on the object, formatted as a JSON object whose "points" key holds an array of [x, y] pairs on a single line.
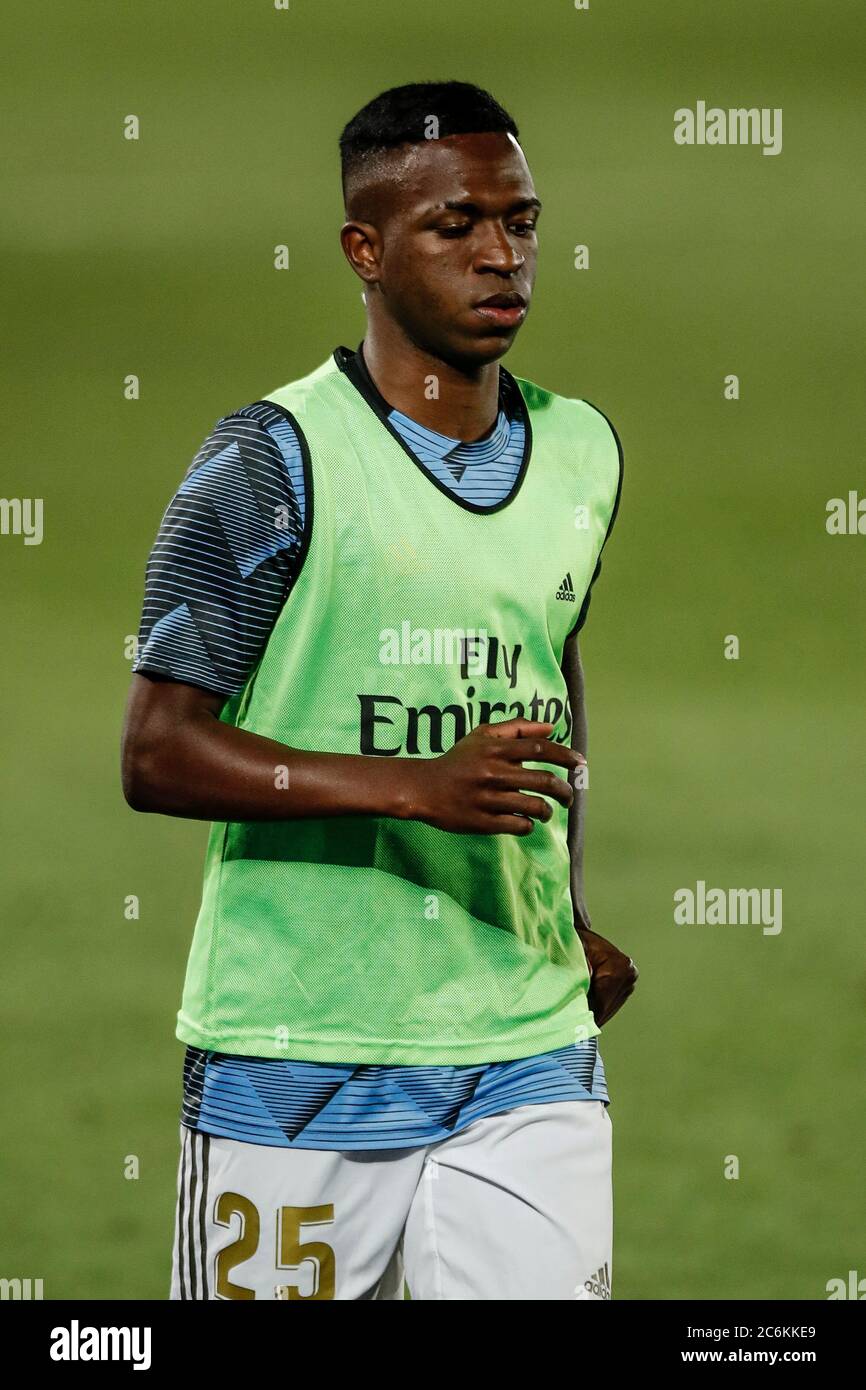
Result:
{"points": [[480, 786]]}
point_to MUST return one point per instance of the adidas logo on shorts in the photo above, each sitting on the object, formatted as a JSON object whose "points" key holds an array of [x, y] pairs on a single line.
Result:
{"points": [[566, 590], [597, 1286]]}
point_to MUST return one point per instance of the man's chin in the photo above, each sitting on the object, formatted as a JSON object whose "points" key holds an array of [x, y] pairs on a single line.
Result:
{"points": [[489, 345]]}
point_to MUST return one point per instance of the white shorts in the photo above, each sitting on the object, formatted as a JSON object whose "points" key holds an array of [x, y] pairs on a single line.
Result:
{"points": [[515, 1206]]}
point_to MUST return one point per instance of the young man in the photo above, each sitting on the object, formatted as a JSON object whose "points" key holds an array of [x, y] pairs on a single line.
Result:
{"points": [[359, 661]]}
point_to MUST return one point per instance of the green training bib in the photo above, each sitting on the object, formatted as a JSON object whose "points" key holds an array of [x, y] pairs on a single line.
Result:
{"points": [[415, 617]]}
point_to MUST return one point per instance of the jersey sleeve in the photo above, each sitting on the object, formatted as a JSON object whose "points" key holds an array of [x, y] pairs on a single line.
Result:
{"points": [[584, 609], [226, 554]]}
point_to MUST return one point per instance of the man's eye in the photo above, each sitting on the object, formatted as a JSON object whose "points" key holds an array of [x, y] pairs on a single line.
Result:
{"points": [[458, 229], [523, 228]]}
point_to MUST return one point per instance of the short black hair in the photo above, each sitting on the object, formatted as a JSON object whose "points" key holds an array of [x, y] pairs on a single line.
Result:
{"points": [[401, 115]]}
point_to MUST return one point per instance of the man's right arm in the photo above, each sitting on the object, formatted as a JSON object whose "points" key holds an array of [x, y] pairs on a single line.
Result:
{"points": [[179, 758]]}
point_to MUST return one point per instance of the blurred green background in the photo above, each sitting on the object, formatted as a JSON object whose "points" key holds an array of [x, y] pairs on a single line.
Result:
{"points": [[155, 257]]}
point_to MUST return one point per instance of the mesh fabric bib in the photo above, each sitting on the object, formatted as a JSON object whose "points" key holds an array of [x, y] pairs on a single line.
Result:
{"points": [[414, 618]]}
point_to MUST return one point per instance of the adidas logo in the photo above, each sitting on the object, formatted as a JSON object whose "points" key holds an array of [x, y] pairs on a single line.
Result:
{"points": [[566, 590], [598, 1286]]}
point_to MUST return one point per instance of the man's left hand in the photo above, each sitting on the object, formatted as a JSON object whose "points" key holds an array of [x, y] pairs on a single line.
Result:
{"points": [[613, 975]]}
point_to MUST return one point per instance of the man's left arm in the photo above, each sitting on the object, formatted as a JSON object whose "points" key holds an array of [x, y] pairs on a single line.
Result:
{"points": [[613, 974]]}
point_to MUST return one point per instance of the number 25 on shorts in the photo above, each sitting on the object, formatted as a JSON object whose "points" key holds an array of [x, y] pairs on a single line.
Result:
{"points": [[293, 1252]]}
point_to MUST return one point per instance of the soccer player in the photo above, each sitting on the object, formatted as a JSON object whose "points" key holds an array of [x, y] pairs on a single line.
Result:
{"points": [[359, 661]]}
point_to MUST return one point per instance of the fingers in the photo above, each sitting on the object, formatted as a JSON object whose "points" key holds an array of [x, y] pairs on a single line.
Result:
{"points": [[506, 825], [536, 780], [525, 740], [540, 750], [518, 728], [517, 804]]}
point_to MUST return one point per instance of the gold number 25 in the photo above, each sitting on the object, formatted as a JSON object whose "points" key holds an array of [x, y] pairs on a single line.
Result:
{"points": [[292, 1252]]}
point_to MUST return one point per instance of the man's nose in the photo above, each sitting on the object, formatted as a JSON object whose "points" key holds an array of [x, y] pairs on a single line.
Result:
{"points": [[498, 251]]}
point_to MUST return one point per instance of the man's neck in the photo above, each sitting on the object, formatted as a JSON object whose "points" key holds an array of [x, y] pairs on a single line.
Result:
{"points": [[430, 391]]}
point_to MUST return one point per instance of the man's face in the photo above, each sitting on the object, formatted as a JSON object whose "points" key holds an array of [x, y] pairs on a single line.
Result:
{"points": [[456, 226]]}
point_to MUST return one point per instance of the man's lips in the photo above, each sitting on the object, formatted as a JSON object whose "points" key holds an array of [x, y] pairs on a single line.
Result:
{"points": [[505, 309]]}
